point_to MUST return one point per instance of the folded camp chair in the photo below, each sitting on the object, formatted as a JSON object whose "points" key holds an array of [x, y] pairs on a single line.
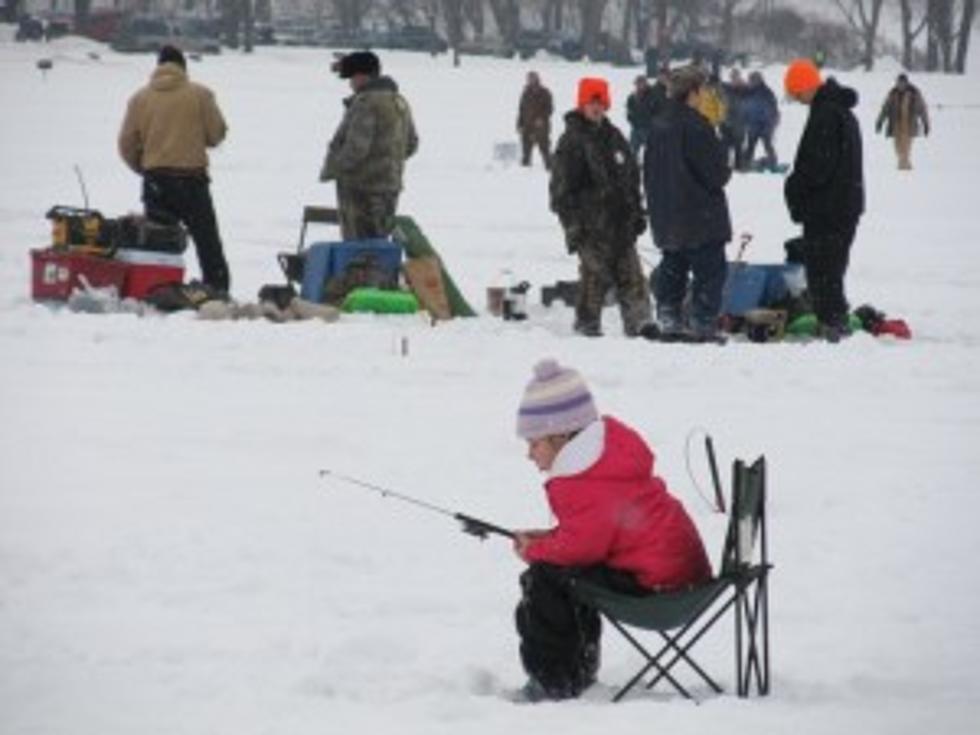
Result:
{"points": [[682, 617]]}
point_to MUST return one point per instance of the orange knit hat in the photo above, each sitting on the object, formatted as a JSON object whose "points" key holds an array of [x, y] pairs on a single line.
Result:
{"points": [[802, 75], [593, 88]]}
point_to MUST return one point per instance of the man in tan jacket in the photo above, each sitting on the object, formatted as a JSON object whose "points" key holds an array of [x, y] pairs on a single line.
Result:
{"points": [[169, 124]]}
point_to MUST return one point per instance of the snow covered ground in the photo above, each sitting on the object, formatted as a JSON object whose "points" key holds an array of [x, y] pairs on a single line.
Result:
{"points": [[170, 561]]}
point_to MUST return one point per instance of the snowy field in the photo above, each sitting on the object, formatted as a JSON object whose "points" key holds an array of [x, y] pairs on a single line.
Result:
{"points": [[171, 563]]}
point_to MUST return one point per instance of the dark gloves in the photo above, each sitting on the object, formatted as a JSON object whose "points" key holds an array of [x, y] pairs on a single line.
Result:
{"points": [[925, 130], [878, 126], [575, 238]]}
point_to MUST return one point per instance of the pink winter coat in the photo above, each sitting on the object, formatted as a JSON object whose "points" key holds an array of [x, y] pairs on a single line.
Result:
{"points": [[612, 510]]}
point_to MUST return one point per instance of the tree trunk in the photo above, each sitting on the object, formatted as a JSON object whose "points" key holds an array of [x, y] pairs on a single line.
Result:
{"points": [[248, 25], [473, 11], [963, 36], [453, 11], [507, 16], [663, 31], [82, 9], [591, 12]]}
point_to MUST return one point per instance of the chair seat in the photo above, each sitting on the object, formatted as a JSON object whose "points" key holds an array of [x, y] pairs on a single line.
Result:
{"points": [[656, 611]]}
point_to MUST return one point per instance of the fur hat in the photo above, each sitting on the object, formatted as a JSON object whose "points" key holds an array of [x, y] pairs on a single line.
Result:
{"points": [[685, 80], [802, 75], [171, 55], [556, 401], [593, 88], [357, 62]]}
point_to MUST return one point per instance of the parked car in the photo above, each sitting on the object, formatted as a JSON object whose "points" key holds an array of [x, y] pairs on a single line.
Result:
{"points": [[529, 42], [197, 35], [487, 47], [142, 33]]}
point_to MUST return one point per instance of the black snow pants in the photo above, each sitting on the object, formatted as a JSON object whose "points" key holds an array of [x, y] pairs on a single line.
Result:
{"points": [[827, 254], [559, 635], [186, 197]]}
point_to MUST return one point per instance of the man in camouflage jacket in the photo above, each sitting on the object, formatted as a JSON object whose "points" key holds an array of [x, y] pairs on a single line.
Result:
{"points": [[595, 191], [366, 156]]}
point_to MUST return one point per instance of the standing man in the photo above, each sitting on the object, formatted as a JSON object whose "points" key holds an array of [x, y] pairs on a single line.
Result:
{"points": [[595, 191], [903, 112], [643, 104], [366, 156], [169, 124], [825, 191], [685, 173], [760, 111], [733, 128], [534, 120]]}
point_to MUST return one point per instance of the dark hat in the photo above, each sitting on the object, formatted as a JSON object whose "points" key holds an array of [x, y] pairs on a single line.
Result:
{"points": [[171, 55], [685, 80], [357, 62]]}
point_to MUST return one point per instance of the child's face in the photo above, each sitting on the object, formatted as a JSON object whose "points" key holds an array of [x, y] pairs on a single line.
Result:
{"points": [[543, 451]]}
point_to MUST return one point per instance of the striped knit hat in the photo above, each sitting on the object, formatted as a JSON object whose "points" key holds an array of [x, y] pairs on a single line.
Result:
{"points": [[556, 401]]}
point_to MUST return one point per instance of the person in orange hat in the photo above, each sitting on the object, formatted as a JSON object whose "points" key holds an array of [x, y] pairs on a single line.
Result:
{"points": [[595, 191], [825, 191]]}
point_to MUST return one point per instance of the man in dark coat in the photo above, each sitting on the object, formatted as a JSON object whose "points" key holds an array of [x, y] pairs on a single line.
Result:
{"points": [[367, 153], [685, 173], [642, 106], [733, 127], [595, 191], [760, 113], [534, 120], [904, 116], [825, 191]]}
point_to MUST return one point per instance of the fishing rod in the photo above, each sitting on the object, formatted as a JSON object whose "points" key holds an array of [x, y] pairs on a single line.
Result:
{"points": [[474, 526]]}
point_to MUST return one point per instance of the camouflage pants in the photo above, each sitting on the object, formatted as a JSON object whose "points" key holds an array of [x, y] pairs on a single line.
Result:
{"points": [[365, 214], [604, 265]]}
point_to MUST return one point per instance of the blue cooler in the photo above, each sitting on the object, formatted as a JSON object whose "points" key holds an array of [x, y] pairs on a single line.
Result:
{"points": [[323, 260], [753, 286]]}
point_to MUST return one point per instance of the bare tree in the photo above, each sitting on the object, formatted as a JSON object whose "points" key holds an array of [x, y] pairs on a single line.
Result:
{"points": [[963, 35], [453, 12], [591, 12], [910, 31], [864, 18], [507, 16], [728, 8]]}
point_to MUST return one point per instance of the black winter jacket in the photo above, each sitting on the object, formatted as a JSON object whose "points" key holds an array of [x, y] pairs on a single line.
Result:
{"points": [[595, 183], [685, 172], [825, 192]]}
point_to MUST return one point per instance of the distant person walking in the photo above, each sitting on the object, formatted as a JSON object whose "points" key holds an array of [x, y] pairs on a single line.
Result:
{"points": [[760, 112], [825, 191], [168, 127], [595, 191], [367, 154], [685, 174], [534, 120], [904, 116], [643, 104]]}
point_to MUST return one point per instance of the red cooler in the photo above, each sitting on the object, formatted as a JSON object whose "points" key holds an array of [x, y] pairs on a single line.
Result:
{"points": [[56, 272], [146, 270]]}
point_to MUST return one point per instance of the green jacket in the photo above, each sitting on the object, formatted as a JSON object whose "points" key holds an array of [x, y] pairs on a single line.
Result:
{"points": [[595, 182], [368, 151]]}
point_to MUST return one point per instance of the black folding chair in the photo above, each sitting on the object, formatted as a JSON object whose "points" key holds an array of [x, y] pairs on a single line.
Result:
{"points": [[683, 617]]}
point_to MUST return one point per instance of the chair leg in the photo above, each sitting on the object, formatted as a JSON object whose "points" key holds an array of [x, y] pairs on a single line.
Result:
{"points": [[682, 651], [754, 610], [651, 663]]}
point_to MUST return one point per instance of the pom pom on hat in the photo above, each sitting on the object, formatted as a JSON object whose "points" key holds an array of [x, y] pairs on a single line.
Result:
{"points": [[593, 88], [802, 75], [556, 401]]}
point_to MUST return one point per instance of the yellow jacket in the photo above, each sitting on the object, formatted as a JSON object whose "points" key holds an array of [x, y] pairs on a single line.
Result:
{"points": [[170, 123], [712, 105]]}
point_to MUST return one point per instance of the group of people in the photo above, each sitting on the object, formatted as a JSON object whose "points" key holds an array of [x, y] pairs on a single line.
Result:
{"points": [[688, 154], [171, 122]]}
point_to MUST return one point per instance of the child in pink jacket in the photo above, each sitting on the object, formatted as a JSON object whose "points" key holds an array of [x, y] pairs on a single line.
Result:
{"points": [[616, 524]]}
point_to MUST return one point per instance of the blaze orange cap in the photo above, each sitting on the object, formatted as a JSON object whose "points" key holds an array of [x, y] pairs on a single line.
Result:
{"points": [[802, 75], [593, 88]]}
